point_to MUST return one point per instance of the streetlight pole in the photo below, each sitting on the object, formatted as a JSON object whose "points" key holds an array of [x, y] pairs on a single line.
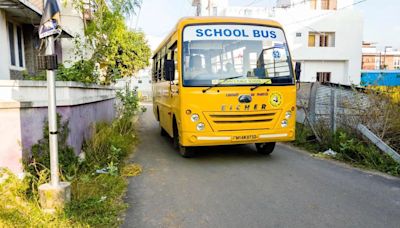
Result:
{"points": [[52, 115], [384, 57], [56, 194]]}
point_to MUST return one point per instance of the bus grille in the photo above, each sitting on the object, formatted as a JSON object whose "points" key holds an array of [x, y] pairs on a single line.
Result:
{"points": [[242, 121]]}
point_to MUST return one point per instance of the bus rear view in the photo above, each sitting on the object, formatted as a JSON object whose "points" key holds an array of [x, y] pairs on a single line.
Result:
{"points": [[236, 85]]}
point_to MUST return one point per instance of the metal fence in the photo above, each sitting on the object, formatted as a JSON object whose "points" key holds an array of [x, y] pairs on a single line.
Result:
{"points": [[331, 104], [328, 107]]}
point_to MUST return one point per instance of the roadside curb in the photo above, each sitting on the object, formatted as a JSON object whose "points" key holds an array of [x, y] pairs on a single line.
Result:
{"points": [[339, 163]]}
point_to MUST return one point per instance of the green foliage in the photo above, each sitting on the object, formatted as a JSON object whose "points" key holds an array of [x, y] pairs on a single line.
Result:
{"points": [[40, 76], [81, 71], [19, 210], [112, 142], [129, 102], [39, 162], [349, 147], [97, 200], [119, 51], [304, 138]]}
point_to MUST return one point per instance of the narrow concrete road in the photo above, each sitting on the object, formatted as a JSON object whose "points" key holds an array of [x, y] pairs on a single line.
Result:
{"points": [[236, 187]]}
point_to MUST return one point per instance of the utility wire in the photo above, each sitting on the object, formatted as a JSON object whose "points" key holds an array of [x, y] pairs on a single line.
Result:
{"points": [[252, 3]]}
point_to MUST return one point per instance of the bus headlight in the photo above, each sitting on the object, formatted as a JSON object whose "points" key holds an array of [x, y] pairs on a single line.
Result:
{"points": [[284, 123], [200, 126], [195, 117], [288, 114]]}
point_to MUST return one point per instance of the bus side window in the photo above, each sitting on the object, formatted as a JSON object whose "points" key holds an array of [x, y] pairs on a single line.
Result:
{"points": [[155, 68], [173, 55], [159, 71]]}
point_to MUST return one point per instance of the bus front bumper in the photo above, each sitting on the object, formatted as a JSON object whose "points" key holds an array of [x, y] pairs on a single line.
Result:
{"points": [[234, 137]]}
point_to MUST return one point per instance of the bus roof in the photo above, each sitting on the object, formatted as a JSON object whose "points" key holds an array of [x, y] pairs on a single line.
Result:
{"points": [[209, 20]]}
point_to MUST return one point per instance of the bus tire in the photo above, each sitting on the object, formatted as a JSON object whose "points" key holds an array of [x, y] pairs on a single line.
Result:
{"points": [[185, 152], [265, 148], [163, 132]]}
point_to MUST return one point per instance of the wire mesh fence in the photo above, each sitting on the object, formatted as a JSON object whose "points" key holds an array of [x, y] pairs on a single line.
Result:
{"points": [[329, 107]]}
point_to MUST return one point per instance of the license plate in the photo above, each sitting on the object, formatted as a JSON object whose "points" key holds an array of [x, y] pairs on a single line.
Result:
{"points": [[240, 138]]}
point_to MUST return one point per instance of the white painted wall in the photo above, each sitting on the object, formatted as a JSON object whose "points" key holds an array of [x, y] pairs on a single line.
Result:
{"points": [[71, 20], [348, 27], [14, 93], [5, 55], [343, 60]]}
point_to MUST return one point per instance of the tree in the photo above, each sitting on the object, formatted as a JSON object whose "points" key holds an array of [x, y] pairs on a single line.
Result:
{"points": [[119, 51]]}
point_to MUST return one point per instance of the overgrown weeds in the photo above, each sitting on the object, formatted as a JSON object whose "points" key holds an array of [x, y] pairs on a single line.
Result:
{"points": [[98, 177], [350, 147]]}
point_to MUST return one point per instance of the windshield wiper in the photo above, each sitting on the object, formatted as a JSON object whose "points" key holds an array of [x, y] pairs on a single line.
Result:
{"points": [[219, 83], [264, 83]]}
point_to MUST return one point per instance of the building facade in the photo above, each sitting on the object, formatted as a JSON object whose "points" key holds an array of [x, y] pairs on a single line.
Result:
{"points": [[324, 35], [19, 40], [373, 59]]}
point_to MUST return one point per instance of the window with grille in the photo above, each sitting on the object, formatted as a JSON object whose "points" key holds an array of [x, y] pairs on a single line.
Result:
{"points": [[323, 77], [16, 44], [321, 39]]}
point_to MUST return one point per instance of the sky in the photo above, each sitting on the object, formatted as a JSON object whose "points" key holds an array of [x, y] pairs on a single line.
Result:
{"points": [[157, 17]]}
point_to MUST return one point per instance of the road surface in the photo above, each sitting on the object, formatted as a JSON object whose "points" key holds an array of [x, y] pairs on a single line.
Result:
{"points": [[236, 187]]}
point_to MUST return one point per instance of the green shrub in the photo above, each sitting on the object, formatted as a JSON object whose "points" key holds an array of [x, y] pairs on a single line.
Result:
{"points": [[38, 163], [81, 71], [353, 150], [350, 147]]}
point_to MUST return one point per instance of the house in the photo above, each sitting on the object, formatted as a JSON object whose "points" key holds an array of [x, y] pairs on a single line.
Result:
{"points": [[372, 59], [19, 41], [324, 35], [23, 103]]}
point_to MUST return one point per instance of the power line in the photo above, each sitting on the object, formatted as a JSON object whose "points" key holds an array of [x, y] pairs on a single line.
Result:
{"points": [[252, 3]]}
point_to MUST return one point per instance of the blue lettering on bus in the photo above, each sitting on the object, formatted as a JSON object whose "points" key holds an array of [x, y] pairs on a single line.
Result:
{"points": [[227, 32], [264, 34], [208, 32], [256, 33], [235, 32], [217, 32], [244, 33], [199, 32]]}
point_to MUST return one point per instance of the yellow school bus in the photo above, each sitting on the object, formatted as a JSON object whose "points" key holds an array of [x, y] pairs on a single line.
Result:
{"points": [[225, 81]]}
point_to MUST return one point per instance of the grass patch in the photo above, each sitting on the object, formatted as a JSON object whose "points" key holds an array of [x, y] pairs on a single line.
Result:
{"points": [[98, 181]]}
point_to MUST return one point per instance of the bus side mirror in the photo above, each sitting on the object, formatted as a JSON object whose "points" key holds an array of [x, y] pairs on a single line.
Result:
{"points": [[169, 70], [297, 70]]}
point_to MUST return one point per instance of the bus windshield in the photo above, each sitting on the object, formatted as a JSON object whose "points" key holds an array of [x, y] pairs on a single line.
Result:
{"points": [[235, 55]]}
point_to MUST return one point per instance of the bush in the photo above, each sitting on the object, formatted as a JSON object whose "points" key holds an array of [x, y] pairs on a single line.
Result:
{"points": [[351, 149], [37, 165]]}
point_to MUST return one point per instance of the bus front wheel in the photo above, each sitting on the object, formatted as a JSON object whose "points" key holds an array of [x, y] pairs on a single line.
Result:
{"points": [[162, 131], [265, 148], [185, 152]]}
